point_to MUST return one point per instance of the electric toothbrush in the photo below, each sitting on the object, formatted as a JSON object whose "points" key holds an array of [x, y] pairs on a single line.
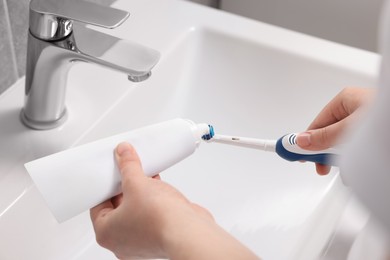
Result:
{"points": [[286, 147]]}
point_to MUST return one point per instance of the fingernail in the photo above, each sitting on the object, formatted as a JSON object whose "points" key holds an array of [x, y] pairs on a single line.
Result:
{"points": [[303, 139], [123, 149]]}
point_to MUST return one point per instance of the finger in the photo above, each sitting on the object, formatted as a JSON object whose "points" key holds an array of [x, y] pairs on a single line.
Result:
{"points": [[157, 177], [324, 138], [101, 222], [101, 210], [328, 136], [332, 113], [117, 200], [129, 166], [341, 106], [322, 169]]}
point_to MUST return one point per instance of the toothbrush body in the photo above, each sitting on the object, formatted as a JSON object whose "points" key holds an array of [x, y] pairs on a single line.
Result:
{"points": [[286, 147]]}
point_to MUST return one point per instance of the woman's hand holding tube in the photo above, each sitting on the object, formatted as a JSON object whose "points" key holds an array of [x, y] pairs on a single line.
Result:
{"points": [[151, 219]]}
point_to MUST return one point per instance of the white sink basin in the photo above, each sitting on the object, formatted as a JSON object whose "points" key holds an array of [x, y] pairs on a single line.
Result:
{"points": [[243, 77]]}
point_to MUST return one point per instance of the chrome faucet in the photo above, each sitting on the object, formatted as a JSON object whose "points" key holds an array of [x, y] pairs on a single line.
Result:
{"points": [[55, 42]]}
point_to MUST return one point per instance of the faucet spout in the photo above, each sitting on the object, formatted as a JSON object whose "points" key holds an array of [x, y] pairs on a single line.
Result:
{"points": [[125, 56], [48, 64], [139, 78]]}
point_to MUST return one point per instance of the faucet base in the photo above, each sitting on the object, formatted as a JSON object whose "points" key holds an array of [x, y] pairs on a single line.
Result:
{"points": [[45, 125]]}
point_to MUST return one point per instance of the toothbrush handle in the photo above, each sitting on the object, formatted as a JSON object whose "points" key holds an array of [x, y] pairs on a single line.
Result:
{"points": [[287, 148]]}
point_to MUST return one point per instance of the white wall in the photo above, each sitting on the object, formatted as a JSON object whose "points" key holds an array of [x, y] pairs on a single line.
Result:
{"points": [[352, 22]]}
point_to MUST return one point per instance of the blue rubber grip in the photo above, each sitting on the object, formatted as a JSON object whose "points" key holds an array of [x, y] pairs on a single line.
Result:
{"points": [[322, 158]]}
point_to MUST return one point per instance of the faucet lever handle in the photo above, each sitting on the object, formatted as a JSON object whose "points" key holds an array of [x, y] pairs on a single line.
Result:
{"points": [[52, 19]]}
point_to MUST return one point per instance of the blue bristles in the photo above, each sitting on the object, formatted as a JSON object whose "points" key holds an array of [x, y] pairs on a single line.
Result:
{"points": [[210, 134]]}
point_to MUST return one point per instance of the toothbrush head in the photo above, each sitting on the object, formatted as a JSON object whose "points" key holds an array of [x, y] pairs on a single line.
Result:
{"points": [[210, 135]]}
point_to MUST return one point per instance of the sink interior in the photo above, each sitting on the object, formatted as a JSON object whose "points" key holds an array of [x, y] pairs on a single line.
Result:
{"points": [[248, 89], [239, 86]]}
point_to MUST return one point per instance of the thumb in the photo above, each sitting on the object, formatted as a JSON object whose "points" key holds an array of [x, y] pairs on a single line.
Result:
{"points": [[129, 166], [321, 138]]}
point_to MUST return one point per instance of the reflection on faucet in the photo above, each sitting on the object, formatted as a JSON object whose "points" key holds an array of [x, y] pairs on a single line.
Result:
{"points": [[51, 52]]}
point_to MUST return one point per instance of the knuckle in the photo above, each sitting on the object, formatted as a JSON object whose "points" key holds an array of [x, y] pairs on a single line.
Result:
{"points": [[101, 240], [103, 237], [105, 241], [321, 138], [324, 135], [123, 164]]}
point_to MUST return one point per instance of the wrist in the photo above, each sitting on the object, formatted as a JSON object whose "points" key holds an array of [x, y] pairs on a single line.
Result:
{"points": [[180, 232], [195, 236]]}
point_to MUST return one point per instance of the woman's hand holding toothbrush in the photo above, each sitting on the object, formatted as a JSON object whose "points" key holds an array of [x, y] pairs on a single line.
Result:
{"points": [[333, 120]]}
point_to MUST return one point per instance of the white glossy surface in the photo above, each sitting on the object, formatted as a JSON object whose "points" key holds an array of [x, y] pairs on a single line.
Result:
{"points": [[245, 78]]}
